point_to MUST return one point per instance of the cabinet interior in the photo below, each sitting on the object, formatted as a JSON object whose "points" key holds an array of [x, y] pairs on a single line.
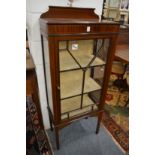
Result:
{"points": [[81, 64]]}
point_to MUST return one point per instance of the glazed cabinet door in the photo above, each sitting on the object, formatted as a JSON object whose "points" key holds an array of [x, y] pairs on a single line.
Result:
{"points": [[81, 71]]}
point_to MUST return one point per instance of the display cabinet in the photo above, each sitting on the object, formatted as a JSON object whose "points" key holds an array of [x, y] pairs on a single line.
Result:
{"points": [[78, 51]]}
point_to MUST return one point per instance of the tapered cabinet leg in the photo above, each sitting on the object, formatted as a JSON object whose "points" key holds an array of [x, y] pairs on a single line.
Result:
{"points": [[98, 127], [51, 124], [57, 138], [50, 119], [98, 123]]}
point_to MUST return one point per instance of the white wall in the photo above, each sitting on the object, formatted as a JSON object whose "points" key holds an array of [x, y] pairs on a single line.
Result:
{"points": [[34, 9]]}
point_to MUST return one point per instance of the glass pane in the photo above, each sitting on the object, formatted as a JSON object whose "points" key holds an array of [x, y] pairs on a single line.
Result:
{"points": [[75, 103], [103, 47], [82, 50], [97, 75], [90, 82], [67, 62], [77, 54], [70, 83], [70, 104]]}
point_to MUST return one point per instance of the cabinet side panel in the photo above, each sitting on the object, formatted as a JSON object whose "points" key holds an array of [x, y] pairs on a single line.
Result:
{"points": [[48, 74], [54, 69]]}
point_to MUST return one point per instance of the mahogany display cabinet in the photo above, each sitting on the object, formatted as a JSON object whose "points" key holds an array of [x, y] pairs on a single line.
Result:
{"points": [[78, 50]]}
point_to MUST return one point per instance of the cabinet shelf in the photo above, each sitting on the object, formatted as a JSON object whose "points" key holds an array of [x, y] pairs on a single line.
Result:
{"points": [[71, 84], [76, 112], [68, 63], [82, 111]]}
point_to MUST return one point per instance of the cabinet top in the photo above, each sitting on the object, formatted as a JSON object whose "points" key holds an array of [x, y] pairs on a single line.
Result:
{"points": [[71, 15]]}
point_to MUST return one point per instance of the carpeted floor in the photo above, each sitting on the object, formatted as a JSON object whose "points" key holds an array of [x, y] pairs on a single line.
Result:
{"points": [[116, 131], [79, 138]]}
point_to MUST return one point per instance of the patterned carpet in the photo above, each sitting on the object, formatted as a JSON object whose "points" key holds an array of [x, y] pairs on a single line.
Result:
{"points": [[116, 131], [36, 141]]}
